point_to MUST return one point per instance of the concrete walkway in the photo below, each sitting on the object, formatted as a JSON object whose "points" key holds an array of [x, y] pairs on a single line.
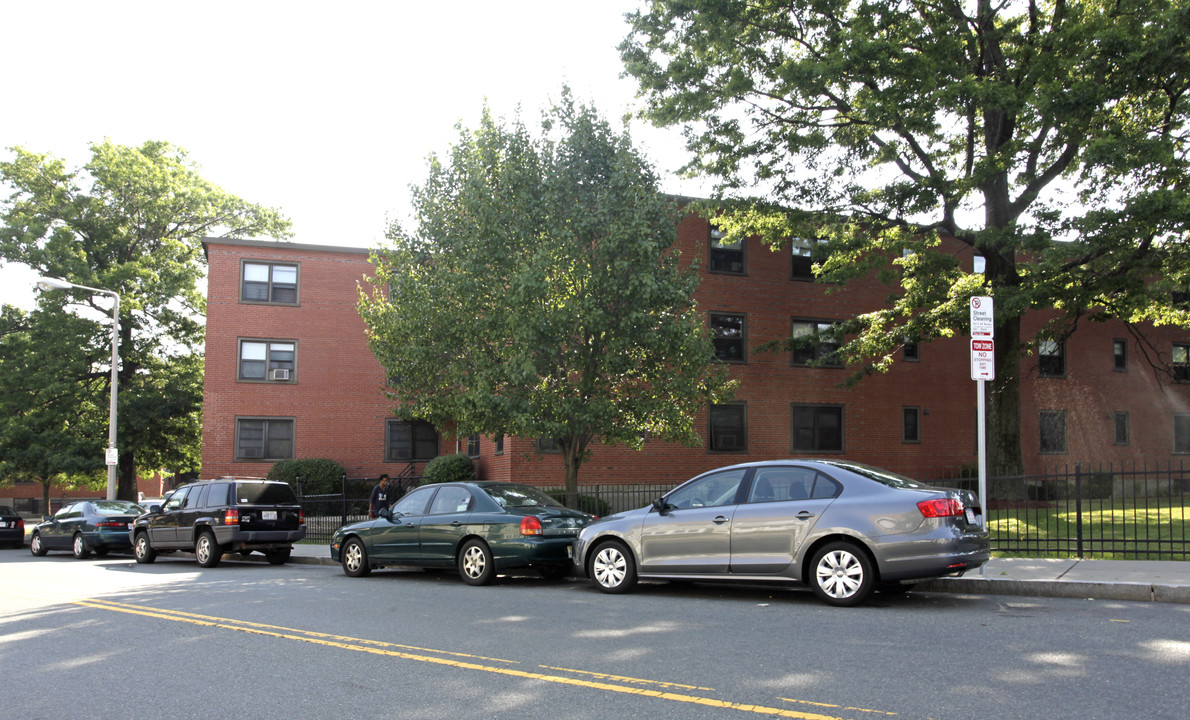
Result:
{"points": [[1145, 580]]}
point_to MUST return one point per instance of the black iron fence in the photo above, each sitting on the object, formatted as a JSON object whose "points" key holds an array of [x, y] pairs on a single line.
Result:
{"points": [[1104, 512]]}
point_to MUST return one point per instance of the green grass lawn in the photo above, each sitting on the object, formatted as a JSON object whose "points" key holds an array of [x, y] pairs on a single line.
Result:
{"points": [[1152, 530]]}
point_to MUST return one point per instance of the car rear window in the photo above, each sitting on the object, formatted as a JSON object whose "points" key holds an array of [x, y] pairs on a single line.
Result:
{"points": [[7, 510], [884, 477], [518, 496], [109, 508], [265, 494]]}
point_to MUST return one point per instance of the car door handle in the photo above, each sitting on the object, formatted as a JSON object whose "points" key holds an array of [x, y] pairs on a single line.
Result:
{"points": [[805, 515], [455, 523], [720, 520], [410, 525]]}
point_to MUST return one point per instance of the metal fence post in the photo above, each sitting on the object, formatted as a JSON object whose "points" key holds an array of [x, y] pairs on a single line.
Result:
{"points": [[1078, 509]]}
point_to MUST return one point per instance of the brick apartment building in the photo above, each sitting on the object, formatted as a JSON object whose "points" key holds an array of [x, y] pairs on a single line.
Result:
{"points": [[289, 375]]}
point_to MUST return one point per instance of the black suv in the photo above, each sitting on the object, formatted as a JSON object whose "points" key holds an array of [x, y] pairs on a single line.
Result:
{"points": [[212, 517]]}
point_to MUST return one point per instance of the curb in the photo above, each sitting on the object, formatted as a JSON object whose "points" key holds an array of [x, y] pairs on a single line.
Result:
{"points": [[1142, 592]]}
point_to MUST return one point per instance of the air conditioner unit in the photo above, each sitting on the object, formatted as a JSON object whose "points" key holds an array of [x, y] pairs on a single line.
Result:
{"points": [[278, 374], [249, 452]]}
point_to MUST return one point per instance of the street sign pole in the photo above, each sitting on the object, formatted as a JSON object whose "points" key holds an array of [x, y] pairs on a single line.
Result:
{"points": [[983, 368]]}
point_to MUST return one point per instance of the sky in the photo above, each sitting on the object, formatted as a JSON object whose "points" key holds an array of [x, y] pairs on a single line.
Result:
{"points": [[326, 111]]}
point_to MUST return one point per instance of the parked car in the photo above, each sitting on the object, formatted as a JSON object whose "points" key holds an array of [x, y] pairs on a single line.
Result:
{"points": [[12, 527], [85, 527], [480, 528], [230, 514], [842, 528]]}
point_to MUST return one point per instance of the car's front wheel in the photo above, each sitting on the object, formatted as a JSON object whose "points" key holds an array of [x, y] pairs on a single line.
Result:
{"points": [[35, 545], [355, 559], [207, 550], [612, 568], [476, 565], [79, 547], [842, 574], [142, 550]]}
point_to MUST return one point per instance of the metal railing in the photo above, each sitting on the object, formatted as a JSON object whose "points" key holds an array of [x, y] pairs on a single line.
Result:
{"points": [[1106, 512]]}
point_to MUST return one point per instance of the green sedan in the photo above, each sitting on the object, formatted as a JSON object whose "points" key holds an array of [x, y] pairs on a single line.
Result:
{"points": [[481, 528]]}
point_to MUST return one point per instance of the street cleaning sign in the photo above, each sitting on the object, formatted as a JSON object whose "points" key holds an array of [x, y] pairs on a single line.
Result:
{"points": [[982, 325]]}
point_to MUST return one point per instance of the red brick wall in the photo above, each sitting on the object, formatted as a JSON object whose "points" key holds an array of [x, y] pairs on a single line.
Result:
{"points": [[341, 409]]}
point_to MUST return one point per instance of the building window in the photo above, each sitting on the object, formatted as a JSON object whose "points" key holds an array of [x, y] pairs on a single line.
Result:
{"points": [[1051, 358], [1181, 362], [269, 360], [802, 251], [729, 429], [498, 441], [548, 445], [410, 441], [814, 343], [1181, 433], [726, 256], [910, 351], [1052, 431], [1121, 428], [1119, 351], [269, 283], [729, 337], [473, 446], [911, 424], [264, 438], [818, 428]]}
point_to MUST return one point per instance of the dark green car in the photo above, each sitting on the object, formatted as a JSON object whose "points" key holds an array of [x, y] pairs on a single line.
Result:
{"points": [[482, 528]]}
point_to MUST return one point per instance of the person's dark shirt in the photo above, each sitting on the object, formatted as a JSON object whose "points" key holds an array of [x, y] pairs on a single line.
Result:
{"points": [[379, 500]]}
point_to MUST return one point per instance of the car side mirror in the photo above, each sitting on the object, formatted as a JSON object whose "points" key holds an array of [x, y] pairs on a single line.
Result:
{"points": [[660, 505], [154, 508], [386, 513]]}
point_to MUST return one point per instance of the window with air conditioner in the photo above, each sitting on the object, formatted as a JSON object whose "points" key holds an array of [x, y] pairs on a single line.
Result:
{"points": [[267, 360]]}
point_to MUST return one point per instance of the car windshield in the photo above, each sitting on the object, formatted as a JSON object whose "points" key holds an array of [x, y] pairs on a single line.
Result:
{"points": [[265, 494], [520, 496], [117, 507], [884, 477]]}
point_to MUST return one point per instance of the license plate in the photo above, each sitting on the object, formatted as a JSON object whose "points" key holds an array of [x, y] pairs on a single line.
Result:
{"points": [[268, 514], [3, 523], [970, 516]]}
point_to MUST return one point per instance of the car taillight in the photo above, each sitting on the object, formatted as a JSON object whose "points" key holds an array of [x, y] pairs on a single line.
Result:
{"points": [[943, 507], [301, 517], [112, 523], [530, 525], [21, 524], [231, 516]]}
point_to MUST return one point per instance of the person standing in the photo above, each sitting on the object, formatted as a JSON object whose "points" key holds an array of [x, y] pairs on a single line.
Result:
{"points": [[380, 497]]}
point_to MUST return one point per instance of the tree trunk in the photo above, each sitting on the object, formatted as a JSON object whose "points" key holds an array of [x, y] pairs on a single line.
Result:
{"points": [[1004, 402]]}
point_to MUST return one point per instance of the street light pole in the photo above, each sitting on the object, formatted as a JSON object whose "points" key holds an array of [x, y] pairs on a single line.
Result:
{"points": [[48, 284]]}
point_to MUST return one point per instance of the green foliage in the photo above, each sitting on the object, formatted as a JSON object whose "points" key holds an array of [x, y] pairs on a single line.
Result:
{"points": [[449, 468], [130, 221], [586, 503], [319, 476], [1050, 138], [541, 295]]}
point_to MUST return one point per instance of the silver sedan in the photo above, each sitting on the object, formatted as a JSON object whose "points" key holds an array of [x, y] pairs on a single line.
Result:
{"points": [[844, 529]]}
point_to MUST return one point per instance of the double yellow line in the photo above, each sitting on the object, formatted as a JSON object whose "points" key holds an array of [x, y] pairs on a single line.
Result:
{"points": [[595, 681]]}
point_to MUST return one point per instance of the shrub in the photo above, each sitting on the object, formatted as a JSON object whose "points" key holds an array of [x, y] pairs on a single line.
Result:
{"points": [[449, 468], [319, 476]]}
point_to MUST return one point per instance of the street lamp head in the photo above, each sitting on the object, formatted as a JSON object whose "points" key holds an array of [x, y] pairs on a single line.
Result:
{"points": [[46, 284]]}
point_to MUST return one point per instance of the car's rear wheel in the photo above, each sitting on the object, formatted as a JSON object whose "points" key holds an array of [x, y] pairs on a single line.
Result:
{"points": [[842, 574], [142, 550], [79, 547], [612, 568], [476, 565], [277, 557], [207, 550], [355, 559], [35, 545]]}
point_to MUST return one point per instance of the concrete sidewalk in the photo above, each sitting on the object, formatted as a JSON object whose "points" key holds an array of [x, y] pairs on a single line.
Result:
{"points": [[1146, 580]]}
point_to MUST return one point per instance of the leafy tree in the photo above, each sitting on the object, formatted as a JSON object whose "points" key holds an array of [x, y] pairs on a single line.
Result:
{"points": [[318, 476], [449, 468], [47, 418], [130, 221], [1048, 136], [540, 294]]}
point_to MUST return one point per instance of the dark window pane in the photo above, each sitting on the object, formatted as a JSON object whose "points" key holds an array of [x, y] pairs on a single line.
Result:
{"points": [[1121, 426], [1053, 432], [911, 418], [728, 331], [727, 428]]}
